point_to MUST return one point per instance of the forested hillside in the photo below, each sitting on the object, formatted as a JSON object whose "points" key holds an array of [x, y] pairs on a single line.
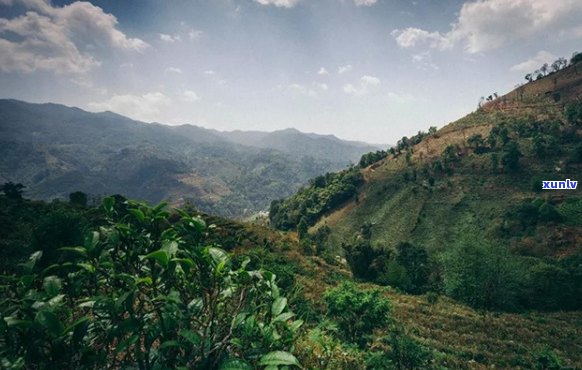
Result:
{"points": [[124, 284], [55, 150], [462, 210]]}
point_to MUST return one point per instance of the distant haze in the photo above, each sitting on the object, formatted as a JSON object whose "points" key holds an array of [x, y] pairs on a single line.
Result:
{"points": [[368, 70]]}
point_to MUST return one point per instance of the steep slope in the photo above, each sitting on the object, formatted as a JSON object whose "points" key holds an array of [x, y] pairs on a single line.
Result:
{"points": [[463, 177], [55, 150]]}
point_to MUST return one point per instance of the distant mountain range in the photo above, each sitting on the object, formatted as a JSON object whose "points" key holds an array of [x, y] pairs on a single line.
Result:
{"points": [[55, 150]]}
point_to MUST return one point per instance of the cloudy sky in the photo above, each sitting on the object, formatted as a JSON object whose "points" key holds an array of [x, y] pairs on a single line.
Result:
{"points": [[371, 70]]}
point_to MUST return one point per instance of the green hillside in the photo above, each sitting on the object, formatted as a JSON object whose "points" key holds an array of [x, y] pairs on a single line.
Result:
{"points": [[461, 210], [55, 150], [426, 193]]}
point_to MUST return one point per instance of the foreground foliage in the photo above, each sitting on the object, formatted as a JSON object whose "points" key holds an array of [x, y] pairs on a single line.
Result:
{"points": [[144, 292]]}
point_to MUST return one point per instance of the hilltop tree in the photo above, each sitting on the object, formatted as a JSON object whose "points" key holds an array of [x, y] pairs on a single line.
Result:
{"points": [[78, 198], [12, 190], [576, 58], [559, 64]]}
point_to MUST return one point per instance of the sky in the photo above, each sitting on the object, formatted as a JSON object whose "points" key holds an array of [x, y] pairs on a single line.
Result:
{"points": [[368, 70]]}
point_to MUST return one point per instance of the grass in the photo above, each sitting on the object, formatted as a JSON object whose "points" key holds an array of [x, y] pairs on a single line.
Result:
{"points": [[467, 338], [457, 335]]}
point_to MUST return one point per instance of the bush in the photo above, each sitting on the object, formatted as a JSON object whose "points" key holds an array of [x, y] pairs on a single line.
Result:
{"points": [[414, 259], [144, 292], [357, 312], [365, 261], [408, 353], [546, 359], [480, 275]]}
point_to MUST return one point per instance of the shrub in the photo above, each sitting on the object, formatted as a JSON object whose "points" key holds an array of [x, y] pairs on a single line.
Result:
{"points": [[144, 292], [480, 275], [408, 353], [414, 259], [357, 312], [546, 359]]}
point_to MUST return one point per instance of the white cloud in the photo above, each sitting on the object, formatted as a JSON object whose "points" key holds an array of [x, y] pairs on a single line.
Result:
{"points": [[344, 69], [302, 89], [173, 70], [190, 96], [60, 39], [322, 71], [321, 86], [279, 3], [147, 107], [194, 34], [365, 86], [489, 24], [365, 2], [535, 62], [411, 37], [169, 38], [209, 72], [424, 61], [400, 98]]}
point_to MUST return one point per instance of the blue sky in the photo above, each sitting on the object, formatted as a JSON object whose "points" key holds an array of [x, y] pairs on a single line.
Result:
{"points": [[371, 70]]}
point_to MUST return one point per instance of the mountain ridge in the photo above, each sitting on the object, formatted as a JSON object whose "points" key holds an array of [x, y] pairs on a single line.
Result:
{"points": [[54, 150]]}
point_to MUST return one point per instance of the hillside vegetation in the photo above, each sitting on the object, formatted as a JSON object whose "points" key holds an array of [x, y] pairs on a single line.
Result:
{"points": [[443, 252], [55, 150], [114, 286], [461, 210]]}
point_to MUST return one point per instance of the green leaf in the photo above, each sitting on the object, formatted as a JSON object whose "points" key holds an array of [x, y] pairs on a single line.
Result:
{"points": [[126, 343], [108, 203], [295, 325], [32, 261], [171, 247], [218, 255], [284, 316], [160, 255], [145, 280], [277, 358], [13, 321], [52, 285], [186, 263], [87, 266], [197, 223], [191, 336], [235, 364], [56, 300], [278, 306], [80, 251], [195, 305], [138, 214], [92, 241], [50, 321]]}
